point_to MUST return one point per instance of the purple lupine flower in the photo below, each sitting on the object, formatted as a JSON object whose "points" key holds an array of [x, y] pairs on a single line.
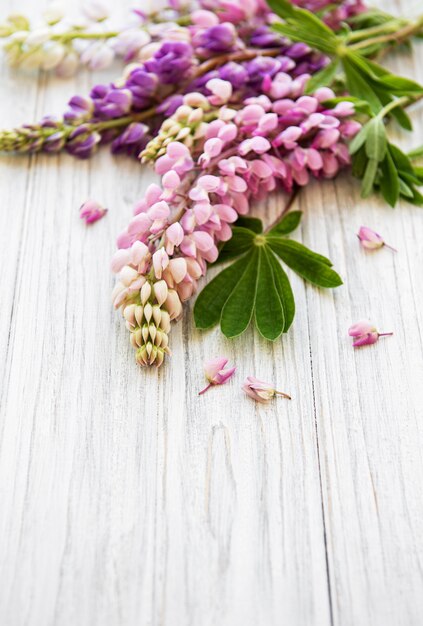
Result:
{"points": [[83, 141], [170, 104], [143, 85], [80, 109], [132, 140], [171, 62], [219, 38], [264, 37], [116, 103]]}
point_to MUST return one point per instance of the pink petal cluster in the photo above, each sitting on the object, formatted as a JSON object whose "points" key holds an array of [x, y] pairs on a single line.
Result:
{"points": [[365, 334], [261, 391], [371, 240], [91, 211], [236, 156], [217, 373]]}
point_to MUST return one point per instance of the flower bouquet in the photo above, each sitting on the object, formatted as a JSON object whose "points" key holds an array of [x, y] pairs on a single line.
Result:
{"points": [[229, 101]]}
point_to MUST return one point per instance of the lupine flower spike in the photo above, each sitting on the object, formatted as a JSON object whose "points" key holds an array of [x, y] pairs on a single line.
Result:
{"points": [[216, 373], [261, 391], [91, 211], [365, 334], [371, 240]]}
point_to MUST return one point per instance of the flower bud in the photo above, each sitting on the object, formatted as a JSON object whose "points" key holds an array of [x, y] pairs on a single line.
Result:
{"points": [[139, 312], [160, 291], [173, 304], [53, 13], [157, 314], [129, 314], [145, 292], [148, 312], [95, 11]]}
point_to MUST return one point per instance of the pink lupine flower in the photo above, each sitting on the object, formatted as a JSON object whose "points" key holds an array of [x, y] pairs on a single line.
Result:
{"points": [[371, 240], [177, 157], [260, 391], [91, 211], [221, 91], [216, 373], [365, 334]]}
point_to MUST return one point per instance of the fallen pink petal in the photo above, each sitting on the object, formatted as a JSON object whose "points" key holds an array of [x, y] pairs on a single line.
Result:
{"points": [[91, 211], [261, 391], [217, 373], [365, 334], [371, 240]]}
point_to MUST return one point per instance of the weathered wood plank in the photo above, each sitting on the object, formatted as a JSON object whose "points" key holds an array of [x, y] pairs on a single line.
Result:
{"points": [[126, 499]]}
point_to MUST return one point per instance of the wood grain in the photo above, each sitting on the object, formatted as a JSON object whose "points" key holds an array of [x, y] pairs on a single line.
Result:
{"points": [[128, 500]]}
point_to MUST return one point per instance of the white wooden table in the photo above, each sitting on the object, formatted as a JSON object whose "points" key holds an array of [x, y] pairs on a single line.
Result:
{"points": [[127, 500]]}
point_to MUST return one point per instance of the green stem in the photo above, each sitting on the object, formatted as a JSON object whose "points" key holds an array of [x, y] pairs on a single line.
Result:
{"points": [[412, 28], [77, 34], [387, 27]]}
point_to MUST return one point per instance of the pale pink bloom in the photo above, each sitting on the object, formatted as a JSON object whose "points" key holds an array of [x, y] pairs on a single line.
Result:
{"points": [[97, 56], [204, 18], [260, 391], [216, 372], [221, 90], [174, 236], [177, 157], [259, 145], [371, 240], [173, 304], [160, 261], [178, 269], [170, 182], [288, 137], [365, 333], [95, 10], [91, 211], [160, 291]]}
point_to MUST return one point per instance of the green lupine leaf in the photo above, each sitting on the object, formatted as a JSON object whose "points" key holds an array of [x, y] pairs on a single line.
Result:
{"points": [[416, 153], [269, 315], [358, 85], [305, 35], [283, 8], [369, 178], [287, 224], [299, 248], [405, 190], [376, 142], [241, 241], [209, 304], [389, 180], [239, 307], [257, 285], [402, 118], [284, 290], [359, 140], [252, 223], [305, 262], [323, 78]]}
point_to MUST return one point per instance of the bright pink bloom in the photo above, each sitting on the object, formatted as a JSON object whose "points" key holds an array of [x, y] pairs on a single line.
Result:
{"points": [[91, 211], [216, 372], [260, 391], [365, 333], [371, 240]]}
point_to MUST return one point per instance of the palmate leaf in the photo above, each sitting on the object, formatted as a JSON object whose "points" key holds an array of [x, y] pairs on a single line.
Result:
{"points": [[255, 285]]}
